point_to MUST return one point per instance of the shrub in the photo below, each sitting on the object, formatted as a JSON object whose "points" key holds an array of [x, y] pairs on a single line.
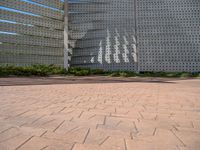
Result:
{"points": [[122, 74], [34, 70], [196, 75], [45, 70], [79, 71], [97, 71], [114, 74], [166, 74]]}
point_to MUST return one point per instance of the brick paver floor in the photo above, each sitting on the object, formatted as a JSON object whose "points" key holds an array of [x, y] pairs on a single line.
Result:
{"points": [[109, 114]]}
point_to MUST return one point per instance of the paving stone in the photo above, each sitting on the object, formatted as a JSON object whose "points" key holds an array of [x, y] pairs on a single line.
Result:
{"points": [[113, 143], [87, 147], [100, 116], [38, 143], [97, 137], [144, 145], [190, 138], [14, 142], [74, 135]]}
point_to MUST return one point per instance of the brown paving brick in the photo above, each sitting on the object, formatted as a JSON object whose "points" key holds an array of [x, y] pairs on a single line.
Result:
{"points": [[196, 124], [145, 145], [14, 142], [87, 147], [100, 116], [139, 144], [96, 137], [189, 137], [74, 135], [38, 143], [114, 143]]}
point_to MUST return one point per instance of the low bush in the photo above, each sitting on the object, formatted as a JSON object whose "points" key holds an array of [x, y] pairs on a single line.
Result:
{"points": [[122, 74], [114, 74], [79, 71], [34, 70], [196, 75], [168, 74], [97, 71], [45, 70]]}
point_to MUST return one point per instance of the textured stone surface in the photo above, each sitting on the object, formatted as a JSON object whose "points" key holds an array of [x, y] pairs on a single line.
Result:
{"points": [[99, 113]]}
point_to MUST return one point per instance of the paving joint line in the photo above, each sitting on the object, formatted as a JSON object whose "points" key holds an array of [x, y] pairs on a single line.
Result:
{"points": [[24, 143], [59, 126], [86, 135], [101, 143]]}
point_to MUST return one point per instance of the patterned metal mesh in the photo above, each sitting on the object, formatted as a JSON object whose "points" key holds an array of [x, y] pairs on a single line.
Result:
{"points": [[31, 32], [136, 35], [169, 35], [102, 34]]}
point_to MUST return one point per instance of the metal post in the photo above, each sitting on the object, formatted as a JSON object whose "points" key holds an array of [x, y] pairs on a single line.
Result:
{"points": [[66, 65], [136, 36]]}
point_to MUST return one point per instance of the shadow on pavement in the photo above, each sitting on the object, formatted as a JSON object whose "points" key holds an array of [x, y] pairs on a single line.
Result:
{"points": [[22, 81]]}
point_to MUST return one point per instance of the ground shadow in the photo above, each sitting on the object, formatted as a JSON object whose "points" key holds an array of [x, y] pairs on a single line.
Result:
{"points": [[23, 81]]}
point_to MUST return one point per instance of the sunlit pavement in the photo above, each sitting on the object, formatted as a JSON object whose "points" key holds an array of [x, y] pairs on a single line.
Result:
{"points": [[99, 113]]}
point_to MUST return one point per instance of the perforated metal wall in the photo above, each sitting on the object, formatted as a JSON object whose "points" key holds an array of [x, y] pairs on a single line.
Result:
{"points": [[31, 32], [136, 35], [102, 34], [169, 35]]}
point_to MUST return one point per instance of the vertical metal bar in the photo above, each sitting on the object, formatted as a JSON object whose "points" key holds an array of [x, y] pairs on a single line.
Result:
{"points": [[136, 35], [66, 65]]}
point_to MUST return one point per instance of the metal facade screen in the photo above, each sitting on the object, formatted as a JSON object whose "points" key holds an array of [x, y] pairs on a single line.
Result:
{"points": [[102, 34], [134, 35], [31, 32]]}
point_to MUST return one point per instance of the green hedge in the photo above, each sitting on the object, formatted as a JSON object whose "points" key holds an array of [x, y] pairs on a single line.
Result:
{"points": [[45, 70], [34, 70], [87, 71], [169, 74], [77, 71]]}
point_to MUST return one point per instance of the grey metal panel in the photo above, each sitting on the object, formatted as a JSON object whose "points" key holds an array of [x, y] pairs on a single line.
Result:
{"points": [[168, 35], [143, 35], [136, 35], [32, 8], [30, 30], [167, 29], [171, 66], [114, 2], [87, 26], [104, 37], [30, 50], [83, 60], [91, 34], [85, 51], [28, 19], [39, 33], [51, 3], [30, 40], [100, 7], [23, 59]]}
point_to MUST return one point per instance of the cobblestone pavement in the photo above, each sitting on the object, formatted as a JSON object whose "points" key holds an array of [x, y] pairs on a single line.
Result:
{"points": [[100, 116]]}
